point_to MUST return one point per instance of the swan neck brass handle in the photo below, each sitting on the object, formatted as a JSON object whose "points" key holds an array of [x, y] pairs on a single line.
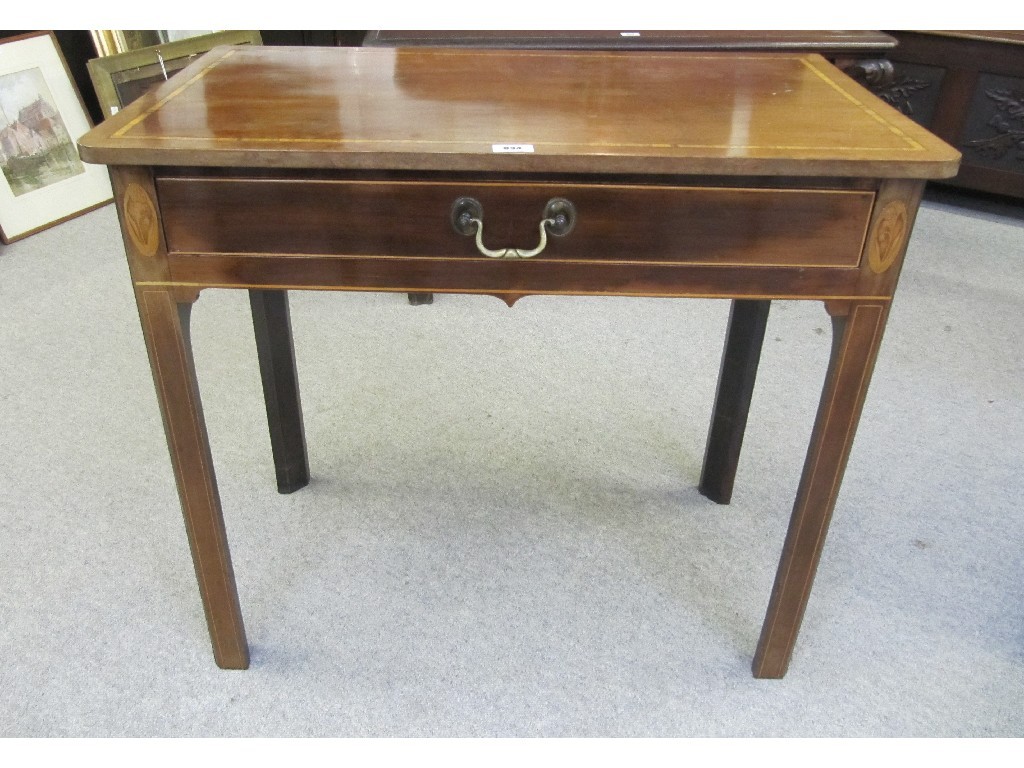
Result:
{"points": [[558, 220]]}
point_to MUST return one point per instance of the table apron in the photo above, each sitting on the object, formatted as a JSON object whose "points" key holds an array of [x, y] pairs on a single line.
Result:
{"points": [[500, 276]]}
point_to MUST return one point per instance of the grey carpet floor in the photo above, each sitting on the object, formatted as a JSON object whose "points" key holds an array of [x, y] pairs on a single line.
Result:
{"points": [[502, 536]]}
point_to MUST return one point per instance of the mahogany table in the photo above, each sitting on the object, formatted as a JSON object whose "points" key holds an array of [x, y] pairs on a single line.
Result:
{"points": [[749, 177]]}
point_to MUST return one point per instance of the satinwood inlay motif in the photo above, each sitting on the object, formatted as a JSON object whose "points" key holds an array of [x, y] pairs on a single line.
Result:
{"points": [[141, 220], [888, 236]]}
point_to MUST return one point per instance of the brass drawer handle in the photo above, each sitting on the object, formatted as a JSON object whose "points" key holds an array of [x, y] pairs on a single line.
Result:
{"points": [[468, 219]]}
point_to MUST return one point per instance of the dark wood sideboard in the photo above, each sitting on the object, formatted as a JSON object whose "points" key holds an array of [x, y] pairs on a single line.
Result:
{"points": [[859, 53], [967, 88]]}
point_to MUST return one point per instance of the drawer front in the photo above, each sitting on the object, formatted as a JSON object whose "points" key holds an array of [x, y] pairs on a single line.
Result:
{"points": [[613, 223]]}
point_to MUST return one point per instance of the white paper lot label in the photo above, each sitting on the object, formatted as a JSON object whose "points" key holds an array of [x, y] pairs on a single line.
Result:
{"points": [[512, 147]]}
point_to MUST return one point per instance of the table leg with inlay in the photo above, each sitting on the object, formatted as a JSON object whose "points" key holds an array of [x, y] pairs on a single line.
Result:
{"points": [[165, 326], [165, 313], [857, 335]]}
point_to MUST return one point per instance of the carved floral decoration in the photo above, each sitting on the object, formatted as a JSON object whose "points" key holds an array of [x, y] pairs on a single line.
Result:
{"points": [[899, 92], [1008, 121]]}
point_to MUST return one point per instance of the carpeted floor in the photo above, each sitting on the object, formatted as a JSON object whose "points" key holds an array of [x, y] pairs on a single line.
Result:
{"points": [[502, 536]]}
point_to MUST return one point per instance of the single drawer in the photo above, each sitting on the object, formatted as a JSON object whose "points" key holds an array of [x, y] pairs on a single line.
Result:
{"points": [[612, 222]]}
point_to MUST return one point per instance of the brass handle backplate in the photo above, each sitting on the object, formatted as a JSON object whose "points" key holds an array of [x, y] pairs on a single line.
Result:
{"points": [[468, 219]]}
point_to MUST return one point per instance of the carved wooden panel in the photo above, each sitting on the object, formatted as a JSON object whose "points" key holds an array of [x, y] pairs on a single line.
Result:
{"points": [[994, 130], [968, 89], [914, 90]]}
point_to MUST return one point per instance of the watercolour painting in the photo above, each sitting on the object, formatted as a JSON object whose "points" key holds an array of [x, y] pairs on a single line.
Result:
{"points": [[43, 181]]}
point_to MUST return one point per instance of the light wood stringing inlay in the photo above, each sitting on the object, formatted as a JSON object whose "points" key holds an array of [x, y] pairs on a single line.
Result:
{"points": [[911, 144]]}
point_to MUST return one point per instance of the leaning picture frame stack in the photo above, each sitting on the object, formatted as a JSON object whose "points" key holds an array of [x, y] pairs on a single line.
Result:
{"points": [[121, 78], [111, 41], [42, 179]]}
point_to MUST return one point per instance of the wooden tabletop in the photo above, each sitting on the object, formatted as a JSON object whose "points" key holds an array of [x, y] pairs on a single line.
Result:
{"points": [[561, 111]]}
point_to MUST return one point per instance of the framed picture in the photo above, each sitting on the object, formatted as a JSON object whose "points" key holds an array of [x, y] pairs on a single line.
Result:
{"points": [[110, 41], [43, 181], [123, 77]]}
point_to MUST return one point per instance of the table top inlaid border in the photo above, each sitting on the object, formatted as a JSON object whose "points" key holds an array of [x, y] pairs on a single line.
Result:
{"points": [[913, 145]]}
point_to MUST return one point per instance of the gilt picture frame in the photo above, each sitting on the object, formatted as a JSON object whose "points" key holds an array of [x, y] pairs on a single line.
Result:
{"points": [[42, 179], [107, 42], [121, 78]]}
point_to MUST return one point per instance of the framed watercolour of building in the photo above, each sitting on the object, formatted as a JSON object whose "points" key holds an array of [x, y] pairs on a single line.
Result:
{"points": [[42, 179]]}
